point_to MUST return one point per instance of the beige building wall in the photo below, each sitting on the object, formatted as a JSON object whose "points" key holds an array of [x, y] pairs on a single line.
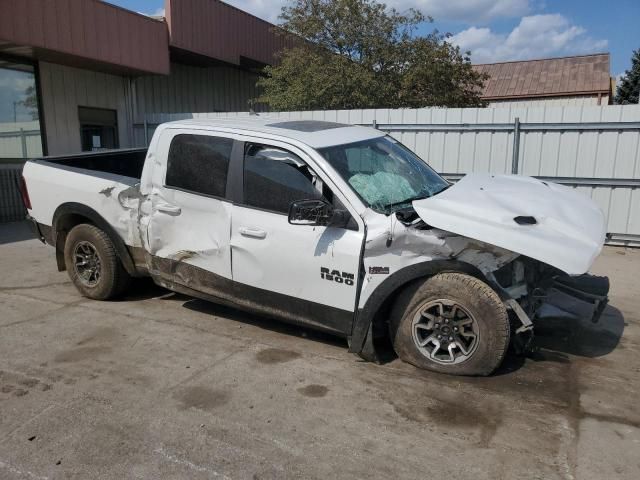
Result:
{"points": [[195, 89], [186, 89], [64, 89]]}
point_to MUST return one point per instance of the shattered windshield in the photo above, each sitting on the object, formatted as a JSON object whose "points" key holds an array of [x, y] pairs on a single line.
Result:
{"points": [[385, 174]]}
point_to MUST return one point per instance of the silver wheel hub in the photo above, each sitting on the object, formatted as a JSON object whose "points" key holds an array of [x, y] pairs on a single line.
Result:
{"points": [[87, 263], [445, 332]]}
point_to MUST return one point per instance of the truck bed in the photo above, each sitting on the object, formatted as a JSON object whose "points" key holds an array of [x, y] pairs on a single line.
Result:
{"points": [[122, 163], [92, 180]]}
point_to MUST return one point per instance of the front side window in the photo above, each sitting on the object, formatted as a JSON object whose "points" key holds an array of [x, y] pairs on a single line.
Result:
{"points": [[385, 174], [273, 178], [20, 136], [199, 163]]}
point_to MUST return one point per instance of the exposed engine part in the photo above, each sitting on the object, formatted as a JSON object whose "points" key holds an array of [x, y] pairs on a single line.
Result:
{"points": [[526, 322], [409, 217], [523, 339]]}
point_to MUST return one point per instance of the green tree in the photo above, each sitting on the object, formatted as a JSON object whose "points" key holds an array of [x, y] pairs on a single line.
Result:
{"points": [[30, 102], [361, 54], [629, 88]]}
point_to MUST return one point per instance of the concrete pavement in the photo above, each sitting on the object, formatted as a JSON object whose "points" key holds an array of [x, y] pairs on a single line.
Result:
{"points": [[160, 385]]}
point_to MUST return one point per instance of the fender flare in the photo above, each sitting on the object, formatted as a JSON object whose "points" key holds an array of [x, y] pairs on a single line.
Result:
{"points": [[361, 339], [59, 232]]}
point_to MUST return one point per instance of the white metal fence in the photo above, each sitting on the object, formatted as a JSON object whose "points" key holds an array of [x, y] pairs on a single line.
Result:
{"points": [[594, 149], [20, 140]]}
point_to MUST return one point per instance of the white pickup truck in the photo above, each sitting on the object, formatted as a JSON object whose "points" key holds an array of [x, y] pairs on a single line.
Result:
{"points": [[332, 226]]}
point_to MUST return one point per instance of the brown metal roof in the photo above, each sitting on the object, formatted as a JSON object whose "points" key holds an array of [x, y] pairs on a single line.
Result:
{"points": [[580, 75], [84, 32], [97, 35], [213, 29]]}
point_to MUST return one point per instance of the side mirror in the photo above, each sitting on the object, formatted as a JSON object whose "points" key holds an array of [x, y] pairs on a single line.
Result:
{"points": [[317, 212], [310, 212]]}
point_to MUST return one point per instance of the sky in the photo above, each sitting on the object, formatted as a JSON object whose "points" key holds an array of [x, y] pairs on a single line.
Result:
{"points": [[502, 30], [13, 85]]}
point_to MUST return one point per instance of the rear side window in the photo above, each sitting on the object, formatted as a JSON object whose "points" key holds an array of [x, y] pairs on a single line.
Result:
{"points": [[273, 178], [199, 163]]}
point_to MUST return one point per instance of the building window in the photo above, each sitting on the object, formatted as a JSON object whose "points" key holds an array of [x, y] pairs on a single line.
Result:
{"points": [[20, 133], [199, 164], [98, 129]]}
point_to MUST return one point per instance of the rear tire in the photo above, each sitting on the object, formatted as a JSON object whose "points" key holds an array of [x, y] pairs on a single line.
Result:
{"points": [[450, 323], [93, 263]]}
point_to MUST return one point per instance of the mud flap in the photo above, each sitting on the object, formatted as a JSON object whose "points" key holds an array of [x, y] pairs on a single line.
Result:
{"points": [[369, 352], [35, 228]]}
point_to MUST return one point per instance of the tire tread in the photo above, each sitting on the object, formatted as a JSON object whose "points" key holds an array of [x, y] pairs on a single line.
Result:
{"points": [[412, 296], [114, 275]]}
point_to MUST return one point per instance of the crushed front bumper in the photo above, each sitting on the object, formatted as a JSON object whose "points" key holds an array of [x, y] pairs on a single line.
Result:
{"points": [[586, 288]]}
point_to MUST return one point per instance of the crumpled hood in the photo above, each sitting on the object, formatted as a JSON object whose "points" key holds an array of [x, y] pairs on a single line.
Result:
{"points": [[568, 234]]}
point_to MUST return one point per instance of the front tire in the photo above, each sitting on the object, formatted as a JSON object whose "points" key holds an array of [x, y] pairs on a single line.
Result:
{"points": [[93, 263], [450, 323]]}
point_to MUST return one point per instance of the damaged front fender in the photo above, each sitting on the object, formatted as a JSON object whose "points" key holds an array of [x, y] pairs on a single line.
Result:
{"points": [[368, 318]]}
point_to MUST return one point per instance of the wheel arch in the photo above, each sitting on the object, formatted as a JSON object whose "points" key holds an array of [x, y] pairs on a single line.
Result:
{"points": [[70, 214], [369, 326]]}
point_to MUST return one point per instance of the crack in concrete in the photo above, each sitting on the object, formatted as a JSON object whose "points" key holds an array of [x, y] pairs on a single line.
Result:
{"points": [[20, 472], [190, 465], [200, 372], [28, 287], [6, 436], [573, 419], [610, 419], [575, 414], [43, 315]]}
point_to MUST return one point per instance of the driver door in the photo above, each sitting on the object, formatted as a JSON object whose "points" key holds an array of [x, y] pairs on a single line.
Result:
{"points": [[308, 274]]}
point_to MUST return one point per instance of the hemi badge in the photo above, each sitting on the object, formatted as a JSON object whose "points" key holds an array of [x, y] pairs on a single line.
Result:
{"points": [[379, 270]]}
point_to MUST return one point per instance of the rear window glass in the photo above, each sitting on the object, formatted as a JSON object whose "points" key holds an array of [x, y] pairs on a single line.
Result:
{"points": [[199, 163]]}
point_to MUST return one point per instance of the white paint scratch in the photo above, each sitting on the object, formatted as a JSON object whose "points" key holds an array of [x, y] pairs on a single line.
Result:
{"points": [[190, 465], [22, 473]]}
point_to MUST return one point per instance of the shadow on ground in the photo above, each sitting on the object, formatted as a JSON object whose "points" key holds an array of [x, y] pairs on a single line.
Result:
{"points": [[145, 288], [581, 337], [556, 338], [15, 232], [264, 322]]}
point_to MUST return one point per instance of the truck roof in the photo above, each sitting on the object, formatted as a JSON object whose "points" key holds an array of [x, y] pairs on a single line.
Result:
{"points": [[315, 133]]}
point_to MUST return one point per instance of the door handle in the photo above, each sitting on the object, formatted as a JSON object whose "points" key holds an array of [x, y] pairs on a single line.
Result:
{"points": [[252, 232], [170, 209]]}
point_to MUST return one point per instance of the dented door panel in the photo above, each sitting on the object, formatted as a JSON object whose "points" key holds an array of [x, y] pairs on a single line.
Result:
{"points": [[181, 226], [197, 233]]}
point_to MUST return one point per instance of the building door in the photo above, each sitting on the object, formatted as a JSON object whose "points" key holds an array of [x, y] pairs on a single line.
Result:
{"points": [[98, 129]]}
